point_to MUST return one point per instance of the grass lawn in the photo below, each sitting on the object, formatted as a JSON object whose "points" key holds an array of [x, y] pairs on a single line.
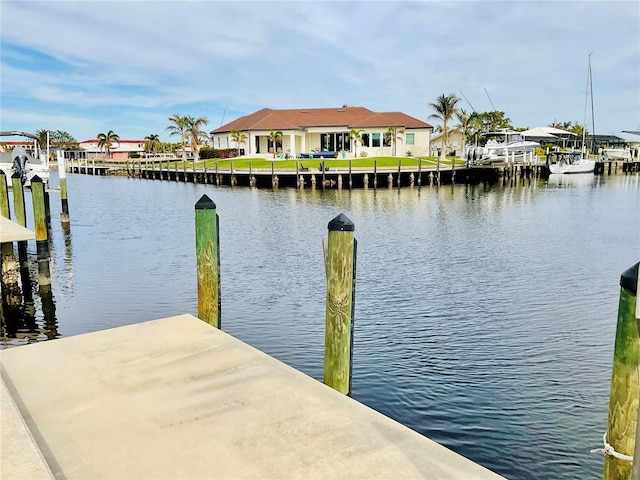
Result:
{"points": [[314, 163]]}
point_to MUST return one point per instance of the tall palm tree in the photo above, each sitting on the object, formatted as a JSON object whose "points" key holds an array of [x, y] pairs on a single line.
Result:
{"points": [[393, 134], [275, 136], [106, 141], [42, 137], [445, 107], [356, 136], [196, 136], [152, 143], [179, 127], [63, 139], [238, 137]]}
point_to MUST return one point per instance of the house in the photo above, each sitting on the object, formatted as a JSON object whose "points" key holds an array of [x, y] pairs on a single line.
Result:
{"points": [[326, 129], [455, 141], [118, 151]]}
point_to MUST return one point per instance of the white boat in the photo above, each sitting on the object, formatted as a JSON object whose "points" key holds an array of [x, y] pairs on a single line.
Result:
{"points": [[23, 163], [500, 146], [617, 153], [569, 162]]}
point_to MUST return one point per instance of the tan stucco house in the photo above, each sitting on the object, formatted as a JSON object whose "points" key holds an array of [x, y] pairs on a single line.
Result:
{"points": [[311, 130]]}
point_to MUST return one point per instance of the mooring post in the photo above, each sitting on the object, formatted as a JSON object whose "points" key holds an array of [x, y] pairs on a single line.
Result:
{"points": [[419, 173], [21, 217], [208, 261], [39, 220], [375, 174], [64, 214], [6, 250], [340, 267], [625, 383], [635, 470]]}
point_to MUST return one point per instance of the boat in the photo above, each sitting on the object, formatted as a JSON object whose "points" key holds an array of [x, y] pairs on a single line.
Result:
{"points": [[617, 153], [500, 146], [569, 162], [575, 162], [20, 161]]}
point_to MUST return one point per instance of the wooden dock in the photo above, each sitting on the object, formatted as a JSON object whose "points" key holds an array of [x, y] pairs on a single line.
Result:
{"points": [[176, 398]]}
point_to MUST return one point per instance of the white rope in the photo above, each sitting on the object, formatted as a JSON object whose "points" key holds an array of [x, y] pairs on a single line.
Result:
{"points": [[609, 450]]}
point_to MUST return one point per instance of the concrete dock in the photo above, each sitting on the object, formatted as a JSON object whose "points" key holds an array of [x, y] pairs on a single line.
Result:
{"points": [[176, 398]]}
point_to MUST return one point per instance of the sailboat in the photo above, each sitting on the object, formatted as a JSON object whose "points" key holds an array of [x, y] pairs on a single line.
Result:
{"points": [[575, 162]]}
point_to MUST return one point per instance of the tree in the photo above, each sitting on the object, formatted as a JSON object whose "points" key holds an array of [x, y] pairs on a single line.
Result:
{"points": [[446, 108], [275, 136], [179, 127], [106, 140], [42, 137], [196, 136], [356, 136], [392, 135], [63, 140], [152, 142], [238, 137]]}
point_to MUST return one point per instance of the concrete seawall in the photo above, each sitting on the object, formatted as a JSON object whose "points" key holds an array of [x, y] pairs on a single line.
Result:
{"points": [[177, 398]]}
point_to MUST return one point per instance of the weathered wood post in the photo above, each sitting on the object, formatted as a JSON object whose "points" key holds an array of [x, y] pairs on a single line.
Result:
{"points": [[39, 220], [64, 214], [399, 171], [19, 211], [419, 173], [340, 266], [635, 470], [208, 261], [350, 179], [375, 174], [7, 248], [625, 383]]}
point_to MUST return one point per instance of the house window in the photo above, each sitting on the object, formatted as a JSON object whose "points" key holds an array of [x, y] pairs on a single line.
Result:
{"points": [[411, 138], [375, 139], [218, 142], [365, 139]]}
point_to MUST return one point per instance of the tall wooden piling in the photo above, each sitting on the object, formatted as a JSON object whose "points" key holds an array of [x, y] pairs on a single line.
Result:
{"points": [[40, 223], [64, 214], [340, 265], [625, 383], [7, 248], [208, 261], [20, 214]]}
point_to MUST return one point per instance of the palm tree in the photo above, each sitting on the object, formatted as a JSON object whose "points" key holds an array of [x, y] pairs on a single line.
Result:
{"points": [[63, 139], [356, 136], [238, 137], [275, 136], [196, 136], [179, 127], [393, 134], [152, 142], [42, 137], [445, 107], [106, 140]]}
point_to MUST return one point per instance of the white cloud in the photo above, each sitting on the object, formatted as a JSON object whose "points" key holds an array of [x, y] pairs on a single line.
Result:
{"points": [[145, 59]]}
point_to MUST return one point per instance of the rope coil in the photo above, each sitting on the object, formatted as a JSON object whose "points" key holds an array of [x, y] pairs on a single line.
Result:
{"points": [[609, 450]]}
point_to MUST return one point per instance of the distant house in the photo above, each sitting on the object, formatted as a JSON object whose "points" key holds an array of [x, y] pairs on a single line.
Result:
{"points": [[455, 143], [119, 151], [326, 129]]}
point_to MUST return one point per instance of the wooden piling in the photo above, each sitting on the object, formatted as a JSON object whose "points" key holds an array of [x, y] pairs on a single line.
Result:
{"points": [[208, 261], [625, 382], [40, 223], [64, 214], [20, 214], [7, 248], [340, 266]]}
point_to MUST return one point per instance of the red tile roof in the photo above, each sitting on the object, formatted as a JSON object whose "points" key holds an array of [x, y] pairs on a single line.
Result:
{"points": [[296, 119]]}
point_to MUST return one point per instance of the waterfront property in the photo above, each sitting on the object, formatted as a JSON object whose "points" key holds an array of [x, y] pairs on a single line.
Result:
{"points": [[309, 130], [120, 151]]}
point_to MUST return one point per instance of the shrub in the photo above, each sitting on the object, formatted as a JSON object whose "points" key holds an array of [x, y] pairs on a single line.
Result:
{"points": [[363, 154], [408, 153]]}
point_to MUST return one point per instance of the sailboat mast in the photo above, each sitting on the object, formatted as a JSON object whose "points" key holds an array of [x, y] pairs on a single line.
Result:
{"points": [[586, 101], [593, 117]]}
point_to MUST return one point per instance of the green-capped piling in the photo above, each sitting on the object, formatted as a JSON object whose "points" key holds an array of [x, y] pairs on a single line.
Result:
{"points": [[20, 214], [208, 261], [625, 382], [40, 223]]}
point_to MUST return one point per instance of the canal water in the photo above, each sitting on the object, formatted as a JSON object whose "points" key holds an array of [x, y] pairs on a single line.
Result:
{"points": [[485, 315]]}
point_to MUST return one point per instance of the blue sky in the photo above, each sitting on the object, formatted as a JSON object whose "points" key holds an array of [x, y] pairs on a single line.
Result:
{"points": [[87, 67]]}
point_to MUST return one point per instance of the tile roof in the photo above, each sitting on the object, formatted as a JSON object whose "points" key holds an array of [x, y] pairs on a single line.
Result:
{"points": [[296, 119]]}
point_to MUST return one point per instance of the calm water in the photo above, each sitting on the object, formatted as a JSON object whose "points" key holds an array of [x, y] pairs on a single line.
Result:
{"points": [[485, 315]]}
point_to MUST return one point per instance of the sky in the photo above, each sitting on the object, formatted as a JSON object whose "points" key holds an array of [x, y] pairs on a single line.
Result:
{"points": [[87, 67]]}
